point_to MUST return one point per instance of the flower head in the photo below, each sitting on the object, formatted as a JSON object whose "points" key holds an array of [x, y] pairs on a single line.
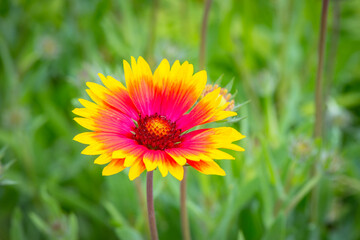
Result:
{"points": [[224, 95], [148, 124]]}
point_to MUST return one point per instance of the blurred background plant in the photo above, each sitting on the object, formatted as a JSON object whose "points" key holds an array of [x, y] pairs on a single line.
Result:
{"points": [[49, 49]]}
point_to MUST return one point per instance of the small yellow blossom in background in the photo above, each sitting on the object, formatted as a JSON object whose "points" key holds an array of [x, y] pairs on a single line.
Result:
{"points": [[225, 96]]}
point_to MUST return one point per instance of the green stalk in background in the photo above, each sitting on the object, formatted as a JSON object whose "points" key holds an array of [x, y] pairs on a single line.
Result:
{"points": [[183, 210], [319, 105], [138, 187], [318, 128], [203, 34], [333, 45], [152, 33]]}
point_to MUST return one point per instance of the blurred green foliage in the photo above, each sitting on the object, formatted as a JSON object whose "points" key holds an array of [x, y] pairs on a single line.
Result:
{"points": [[49, 49]]}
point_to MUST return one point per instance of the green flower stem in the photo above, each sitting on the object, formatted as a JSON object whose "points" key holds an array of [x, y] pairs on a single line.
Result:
{"points": [[183, 210], [150, 205]]}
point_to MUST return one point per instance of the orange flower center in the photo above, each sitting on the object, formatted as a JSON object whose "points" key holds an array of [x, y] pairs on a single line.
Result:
{"points": [[158, 126], [156, 132]]}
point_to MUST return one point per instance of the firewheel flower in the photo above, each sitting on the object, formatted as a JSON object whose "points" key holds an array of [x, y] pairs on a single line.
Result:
{"points": [[149, 123]]}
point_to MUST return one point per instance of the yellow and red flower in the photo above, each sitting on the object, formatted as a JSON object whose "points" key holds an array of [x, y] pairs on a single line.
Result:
{"points": [[147, 124]]}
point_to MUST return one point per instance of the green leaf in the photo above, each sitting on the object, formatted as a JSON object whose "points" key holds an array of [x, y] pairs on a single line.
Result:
{"points": [[16, 228], [121, 225], [73, 227], [51, 204], [240, 236], [7, 182], [236, 201], [40, 224], [306, 188], [277, 230]]}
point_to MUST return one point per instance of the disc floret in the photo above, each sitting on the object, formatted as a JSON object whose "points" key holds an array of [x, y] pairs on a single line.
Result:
{"points": [[157, 132]]}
